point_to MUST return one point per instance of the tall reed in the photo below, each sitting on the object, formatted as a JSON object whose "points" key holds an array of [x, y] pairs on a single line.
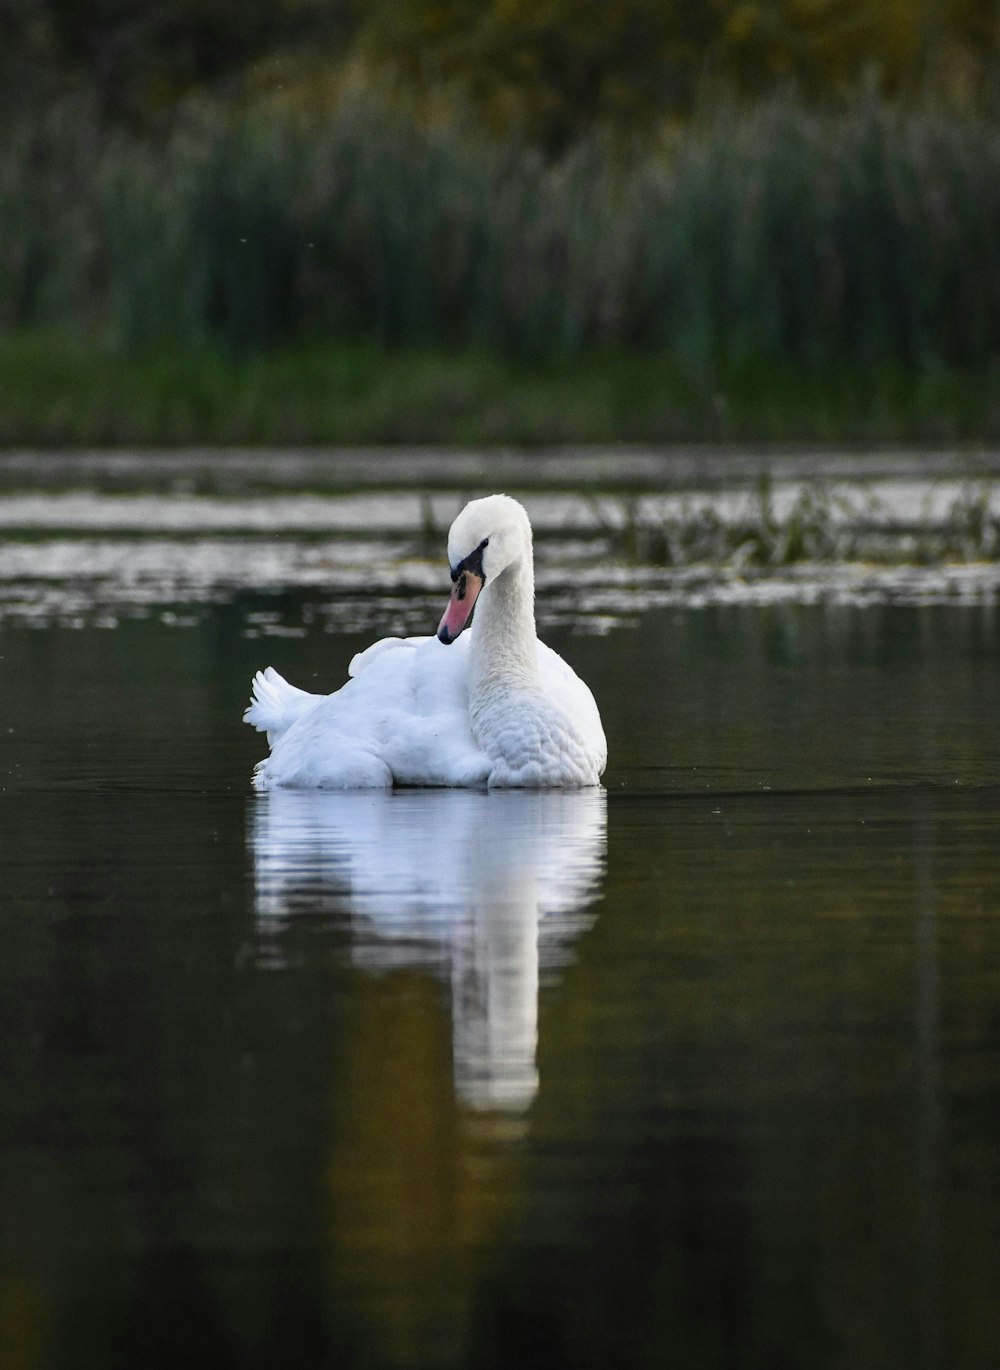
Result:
{"points": [[770, 235]]}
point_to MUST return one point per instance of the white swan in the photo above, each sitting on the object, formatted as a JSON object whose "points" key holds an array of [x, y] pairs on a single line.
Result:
{"points": [[497, 708]]}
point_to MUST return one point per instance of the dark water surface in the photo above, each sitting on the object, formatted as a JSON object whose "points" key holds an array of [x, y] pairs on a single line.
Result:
{"points": [[700, 1070]]}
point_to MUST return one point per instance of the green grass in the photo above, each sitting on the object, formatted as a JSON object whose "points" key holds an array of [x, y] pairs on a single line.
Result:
{"points": [[799, 267], [56, 390]]}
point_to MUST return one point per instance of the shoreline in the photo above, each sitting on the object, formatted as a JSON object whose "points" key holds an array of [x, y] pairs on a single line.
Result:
{"points": [[585, 467], [62, 393], [615, 468]]}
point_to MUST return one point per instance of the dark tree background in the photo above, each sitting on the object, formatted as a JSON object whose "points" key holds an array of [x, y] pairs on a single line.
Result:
{"points": [[551, 70]]}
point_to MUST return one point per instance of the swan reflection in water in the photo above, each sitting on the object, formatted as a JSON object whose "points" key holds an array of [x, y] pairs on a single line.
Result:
{"points": [[485, 889]]}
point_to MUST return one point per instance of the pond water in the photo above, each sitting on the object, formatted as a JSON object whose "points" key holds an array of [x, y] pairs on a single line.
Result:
{"points": [[702, 1068]]}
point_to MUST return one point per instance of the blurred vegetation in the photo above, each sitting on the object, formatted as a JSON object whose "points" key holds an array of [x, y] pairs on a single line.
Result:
{"points": [[551, 70], [136, 63], [58, 391], [753, 191], [821, 523], [555, 69]]}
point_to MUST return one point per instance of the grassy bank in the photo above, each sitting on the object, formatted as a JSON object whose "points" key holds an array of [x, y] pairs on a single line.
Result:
{"points": [[55, 391]]}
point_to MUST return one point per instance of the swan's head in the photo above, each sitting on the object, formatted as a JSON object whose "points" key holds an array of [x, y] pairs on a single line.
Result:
{"points": [[487, 537]]}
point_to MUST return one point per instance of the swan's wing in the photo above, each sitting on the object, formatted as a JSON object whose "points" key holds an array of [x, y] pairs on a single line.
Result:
{"points": [[386, 645], [428, 738], [562, 683], [402, 718]]}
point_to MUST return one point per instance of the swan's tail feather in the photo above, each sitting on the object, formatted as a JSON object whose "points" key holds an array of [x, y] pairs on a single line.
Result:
{"points": [[276, 704]]}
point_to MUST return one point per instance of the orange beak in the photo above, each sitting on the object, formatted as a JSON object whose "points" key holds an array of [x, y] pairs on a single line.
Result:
{"points": [[464, 594]]}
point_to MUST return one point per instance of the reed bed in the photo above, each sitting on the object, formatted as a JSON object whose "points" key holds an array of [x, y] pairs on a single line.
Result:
{"points": [[776, 236], [822, 525]]}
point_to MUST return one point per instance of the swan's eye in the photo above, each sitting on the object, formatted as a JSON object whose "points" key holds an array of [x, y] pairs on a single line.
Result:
{"points": [[474, 563]]}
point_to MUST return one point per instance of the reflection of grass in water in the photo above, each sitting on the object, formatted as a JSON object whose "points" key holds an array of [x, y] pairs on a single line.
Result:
{"points": [[821, 525], [57, 390]]}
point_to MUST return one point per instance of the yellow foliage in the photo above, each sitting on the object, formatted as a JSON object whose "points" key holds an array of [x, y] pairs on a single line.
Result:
{"points": [[555, 68]]}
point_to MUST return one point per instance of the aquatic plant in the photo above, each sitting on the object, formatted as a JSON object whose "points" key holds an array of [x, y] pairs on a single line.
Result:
{"points": [[821, 523], [971, 530]]}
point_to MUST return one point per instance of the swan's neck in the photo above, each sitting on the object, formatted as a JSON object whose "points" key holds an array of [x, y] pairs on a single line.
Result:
{"points": [[504, 651]]}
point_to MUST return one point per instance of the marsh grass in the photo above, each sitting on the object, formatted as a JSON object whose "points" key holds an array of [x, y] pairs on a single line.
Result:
{"points": [[771, 273], [822, 524], [770, 236]]}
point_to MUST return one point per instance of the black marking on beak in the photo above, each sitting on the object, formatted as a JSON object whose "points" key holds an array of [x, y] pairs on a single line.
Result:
{"points": [[474, 563]]}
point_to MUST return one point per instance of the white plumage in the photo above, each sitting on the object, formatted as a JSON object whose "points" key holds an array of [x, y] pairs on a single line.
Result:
{"points": [[496, 707]]}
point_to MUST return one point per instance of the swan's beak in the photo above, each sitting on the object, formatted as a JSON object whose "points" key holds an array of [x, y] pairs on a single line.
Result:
{"points": [[464, 594]]}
